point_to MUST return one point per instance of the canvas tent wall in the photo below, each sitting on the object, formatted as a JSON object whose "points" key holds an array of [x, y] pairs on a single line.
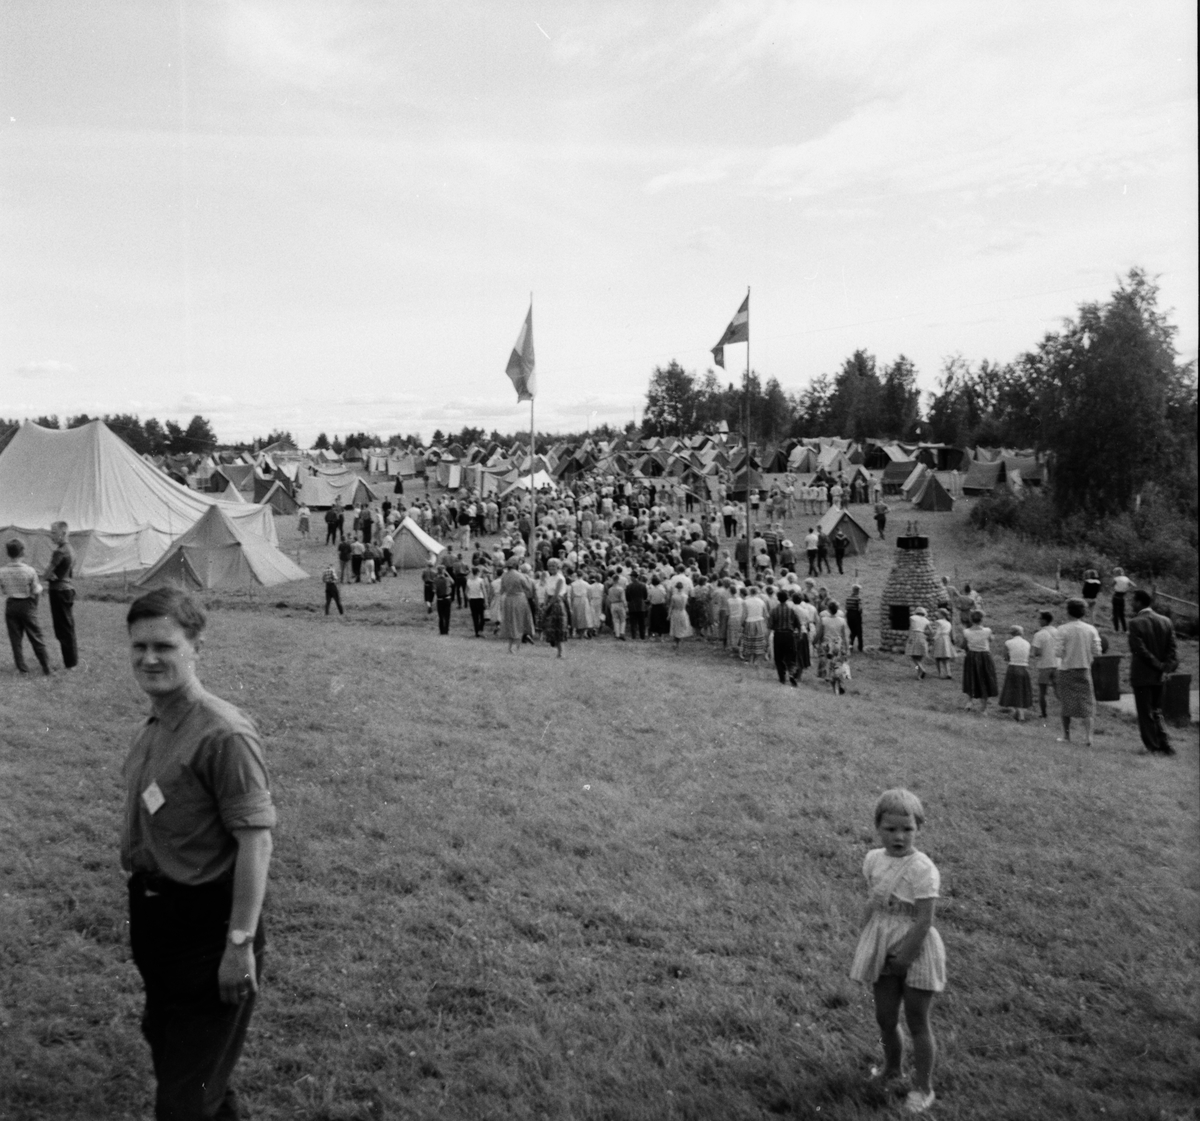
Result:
{"points": [[216, 555], [984, 477], [319, 491], [122, 513], [836, 519], [915, 481], [412, 546], [896, 474]]}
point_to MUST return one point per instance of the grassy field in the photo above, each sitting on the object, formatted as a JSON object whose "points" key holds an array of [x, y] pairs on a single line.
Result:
{"points": [[621, 885]]}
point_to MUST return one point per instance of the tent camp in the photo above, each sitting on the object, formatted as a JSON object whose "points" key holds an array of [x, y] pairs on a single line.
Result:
{"points": [[412, 546], [933, 496], [216, 555], [122, 513], [836, 519]]}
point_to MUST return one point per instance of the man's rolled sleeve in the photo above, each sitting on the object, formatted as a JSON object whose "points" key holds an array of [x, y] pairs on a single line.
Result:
{"points": [[241, 784]]}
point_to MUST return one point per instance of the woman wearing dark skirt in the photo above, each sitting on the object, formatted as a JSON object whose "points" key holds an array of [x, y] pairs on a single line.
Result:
{"points": [[1017, 693], [660, 615], [555, 625], [979, 670]]}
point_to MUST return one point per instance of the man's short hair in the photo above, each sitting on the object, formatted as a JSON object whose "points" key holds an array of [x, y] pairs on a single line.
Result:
{"points": [[169, 603], [14, 548], [1142, 598]]}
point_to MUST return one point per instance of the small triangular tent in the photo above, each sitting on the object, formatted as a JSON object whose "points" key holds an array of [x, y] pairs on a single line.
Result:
{"points": [[933, 496], [216, 555], [412, 546], [278, 498], [838, 519]]}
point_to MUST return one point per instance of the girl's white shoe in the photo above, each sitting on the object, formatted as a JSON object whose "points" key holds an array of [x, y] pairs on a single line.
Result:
{"points": [[918, 1101]]}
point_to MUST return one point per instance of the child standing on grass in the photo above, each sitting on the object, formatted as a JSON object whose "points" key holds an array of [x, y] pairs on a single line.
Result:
{"points": [[900, 953]]}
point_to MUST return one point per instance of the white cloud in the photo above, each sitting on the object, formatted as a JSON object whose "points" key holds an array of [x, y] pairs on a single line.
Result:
{"points": [[45, 370]]}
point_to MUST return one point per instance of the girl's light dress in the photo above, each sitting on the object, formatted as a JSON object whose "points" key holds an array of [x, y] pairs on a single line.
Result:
{"points": [[894, 884]]}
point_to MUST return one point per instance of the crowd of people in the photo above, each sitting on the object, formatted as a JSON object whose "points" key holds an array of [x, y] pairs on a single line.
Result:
{"points": [[655, 562]]}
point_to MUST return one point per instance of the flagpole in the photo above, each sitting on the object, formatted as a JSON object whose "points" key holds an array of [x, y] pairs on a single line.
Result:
{"points": [[532, 444], [746, 395]]}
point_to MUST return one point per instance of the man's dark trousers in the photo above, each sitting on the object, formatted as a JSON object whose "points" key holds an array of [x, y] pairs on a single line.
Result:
{"points": [[62, 613], [444, 604], [1148, 700], [21, 617], [178, 937]]}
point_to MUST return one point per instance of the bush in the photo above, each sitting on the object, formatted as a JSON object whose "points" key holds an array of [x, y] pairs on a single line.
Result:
{"points": [[1155, 542]]}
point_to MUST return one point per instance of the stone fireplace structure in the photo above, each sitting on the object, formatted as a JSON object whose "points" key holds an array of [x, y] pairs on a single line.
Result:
{"points": [[911, 583]]}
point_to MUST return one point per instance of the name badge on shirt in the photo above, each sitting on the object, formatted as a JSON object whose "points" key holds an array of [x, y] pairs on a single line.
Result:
{"points": [[152, 798]]}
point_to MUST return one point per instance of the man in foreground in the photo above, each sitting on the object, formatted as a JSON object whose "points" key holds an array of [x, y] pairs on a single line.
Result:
{"points": [[1152, 657], [196, 846]]}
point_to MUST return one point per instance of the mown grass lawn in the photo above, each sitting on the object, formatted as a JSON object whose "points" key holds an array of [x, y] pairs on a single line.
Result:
{"points": [[623, 885]]}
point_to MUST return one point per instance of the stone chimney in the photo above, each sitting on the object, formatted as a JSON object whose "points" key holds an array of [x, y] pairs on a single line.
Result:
{"points": [[911, 583]]}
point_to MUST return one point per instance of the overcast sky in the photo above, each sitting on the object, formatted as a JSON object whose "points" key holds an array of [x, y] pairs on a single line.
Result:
{"points": [[330, 216]]}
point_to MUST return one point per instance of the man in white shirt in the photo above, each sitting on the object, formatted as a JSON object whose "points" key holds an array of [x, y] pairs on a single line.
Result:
{"points": [[1045, 657], [21, 588]]}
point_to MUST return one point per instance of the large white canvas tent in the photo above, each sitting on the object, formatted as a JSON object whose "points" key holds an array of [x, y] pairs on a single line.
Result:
{"points": [[412, 546], [215, 554], [122, 513]]}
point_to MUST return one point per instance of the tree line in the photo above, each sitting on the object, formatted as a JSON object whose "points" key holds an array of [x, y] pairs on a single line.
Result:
{"points": [[1105, 399]]}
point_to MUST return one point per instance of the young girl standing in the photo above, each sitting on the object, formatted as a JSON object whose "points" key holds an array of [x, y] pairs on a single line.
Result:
{"points": [[900, 953]]}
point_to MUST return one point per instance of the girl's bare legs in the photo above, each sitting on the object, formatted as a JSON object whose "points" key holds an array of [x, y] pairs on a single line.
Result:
{"points": [[916, 1015], [889, 993]]}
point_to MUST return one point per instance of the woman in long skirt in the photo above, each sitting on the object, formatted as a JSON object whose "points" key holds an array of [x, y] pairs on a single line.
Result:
{"points": [[918, 642], [1017, 693], [979, 670], [681, 628], [555, 627], [943, 642], [660, 619], [736, 609], [516, 620], [754, 630]]}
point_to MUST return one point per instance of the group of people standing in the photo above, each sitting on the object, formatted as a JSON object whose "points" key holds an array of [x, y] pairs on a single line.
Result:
{"points": [[21, 586], [1059, 659]]}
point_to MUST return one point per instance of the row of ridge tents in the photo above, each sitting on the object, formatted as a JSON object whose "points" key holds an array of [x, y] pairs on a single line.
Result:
{"points": [[127, 516]]}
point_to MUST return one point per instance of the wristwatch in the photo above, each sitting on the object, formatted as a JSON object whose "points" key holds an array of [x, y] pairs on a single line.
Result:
{"points": [[240, 938]]}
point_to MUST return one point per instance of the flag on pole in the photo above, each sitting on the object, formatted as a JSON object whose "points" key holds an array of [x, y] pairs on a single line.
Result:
{"points": [[738, 331], [521, 367]]}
